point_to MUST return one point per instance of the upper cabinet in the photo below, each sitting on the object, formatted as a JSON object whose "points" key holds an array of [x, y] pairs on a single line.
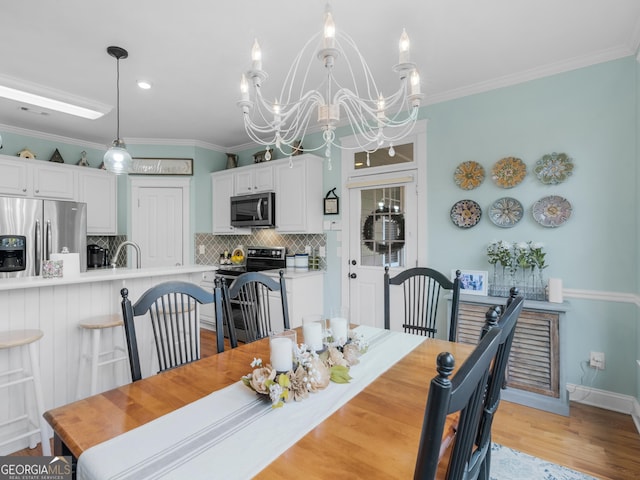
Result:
{"points": [[298, 189], [299, 196], [222, 187], [253, 180], [98, 189], [54, 181], [39, 179], [36, 179], [15, 178]]}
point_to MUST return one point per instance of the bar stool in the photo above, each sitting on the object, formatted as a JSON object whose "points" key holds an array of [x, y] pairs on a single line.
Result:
{"points": [[92, 355], [26, 339]]}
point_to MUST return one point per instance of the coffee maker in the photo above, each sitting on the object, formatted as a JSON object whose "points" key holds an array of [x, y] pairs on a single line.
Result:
{"points": [[97, 257]]}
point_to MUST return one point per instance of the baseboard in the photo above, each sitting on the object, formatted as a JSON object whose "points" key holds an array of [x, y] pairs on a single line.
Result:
{"points": [[607, 400]]}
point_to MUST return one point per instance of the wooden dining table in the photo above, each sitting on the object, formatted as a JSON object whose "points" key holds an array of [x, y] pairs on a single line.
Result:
{"points": [[374, 435]]}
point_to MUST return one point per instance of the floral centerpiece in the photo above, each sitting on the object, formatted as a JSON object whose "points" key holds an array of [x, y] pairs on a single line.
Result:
{"points": [[522, 266], [311, 373]]}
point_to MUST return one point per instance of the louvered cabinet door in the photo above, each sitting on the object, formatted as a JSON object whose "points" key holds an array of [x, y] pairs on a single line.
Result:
{"points": [[534, 360]]}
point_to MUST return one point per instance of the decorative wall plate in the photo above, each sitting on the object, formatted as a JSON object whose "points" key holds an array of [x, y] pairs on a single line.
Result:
{"points": [[468, 175], [554, 168], [551, 211], [465, 213], [506, 212], [508, 172]]}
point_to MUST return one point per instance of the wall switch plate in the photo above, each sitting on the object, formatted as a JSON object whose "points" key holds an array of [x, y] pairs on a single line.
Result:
{"points": [[596, 360]]}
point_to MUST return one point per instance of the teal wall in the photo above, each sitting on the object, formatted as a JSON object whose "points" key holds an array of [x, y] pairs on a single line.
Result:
{"points": [[591, 114]]}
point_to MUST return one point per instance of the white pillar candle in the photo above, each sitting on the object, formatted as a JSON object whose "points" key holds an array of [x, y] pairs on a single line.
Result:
{"points": [[339, 329], [313, 335], [555, 290], [281, 354]]}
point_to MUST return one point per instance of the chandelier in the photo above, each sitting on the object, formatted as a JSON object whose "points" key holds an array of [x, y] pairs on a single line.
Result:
{"points": [[375, 120]]}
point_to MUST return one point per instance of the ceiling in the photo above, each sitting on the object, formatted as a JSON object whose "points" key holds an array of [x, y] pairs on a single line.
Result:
{"points": [[194, 52]]}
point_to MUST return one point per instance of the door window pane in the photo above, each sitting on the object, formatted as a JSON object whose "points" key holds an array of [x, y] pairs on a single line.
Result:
{"points": [[382, 239]]}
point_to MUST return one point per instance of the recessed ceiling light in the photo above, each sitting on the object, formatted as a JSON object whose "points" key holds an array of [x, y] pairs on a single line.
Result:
{"points": [[143, 84], [45, 97]]}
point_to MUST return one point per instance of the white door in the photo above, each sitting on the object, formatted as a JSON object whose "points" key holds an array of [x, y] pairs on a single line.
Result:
{"points": [[383, 222], [382, 226], [160, 221]]}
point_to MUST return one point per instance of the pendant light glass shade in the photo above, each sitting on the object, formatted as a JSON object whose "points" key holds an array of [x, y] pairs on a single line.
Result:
{"points": [[117, 159]]}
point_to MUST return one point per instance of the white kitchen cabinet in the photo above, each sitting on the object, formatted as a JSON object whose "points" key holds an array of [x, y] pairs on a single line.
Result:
{"points": [[222, 188], [15, 178], [304, 296], [54, 181], [299, 197], [99, 190], [250, 180], [23, 177]]}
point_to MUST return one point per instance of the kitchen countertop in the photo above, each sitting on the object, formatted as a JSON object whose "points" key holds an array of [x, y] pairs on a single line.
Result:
{"points": [[294, 272], [100, 275]]}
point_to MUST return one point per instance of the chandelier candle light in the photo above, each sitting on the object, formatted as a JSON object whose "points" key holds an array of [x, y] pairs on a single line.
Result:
{"points": [[375, 120]]}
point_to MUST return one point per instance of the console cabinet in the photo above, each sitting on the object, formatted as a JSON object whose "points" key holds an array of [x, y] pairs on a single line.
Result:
{"points": [[535, 367]]}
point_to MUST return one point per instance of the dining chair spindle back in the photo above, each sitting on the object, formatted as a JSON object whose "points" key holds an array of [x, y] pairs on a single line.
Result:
{"points": [[172, 309], [422, 289], [250, 292], [463, 394], [505, 322]]}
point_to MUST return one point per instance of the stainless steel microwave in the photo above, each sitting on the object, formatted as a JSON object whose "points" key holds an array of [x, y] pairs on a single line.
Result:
{"points": [[256, 210]]}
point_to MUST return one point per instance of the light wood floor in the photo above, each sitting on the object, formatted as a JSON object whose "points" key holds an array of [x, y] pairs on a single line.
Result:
{"points": [[599, 442]]}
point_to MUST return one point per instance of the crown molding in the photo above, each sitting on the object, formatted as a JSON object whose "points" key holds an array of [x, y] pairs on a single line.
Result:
{"points": [[175, 142], [99, 146], [533, 74], [52, 138]]}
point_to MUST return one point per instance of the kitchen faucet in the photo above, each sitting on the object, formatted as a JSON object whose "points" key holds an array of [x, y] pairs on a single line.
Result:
{"points": [[123, 244]]}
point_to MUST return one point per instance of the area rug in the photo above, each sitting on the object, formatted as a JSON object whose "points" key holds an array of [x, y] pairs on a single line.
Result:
{"points": [[509, 464]]}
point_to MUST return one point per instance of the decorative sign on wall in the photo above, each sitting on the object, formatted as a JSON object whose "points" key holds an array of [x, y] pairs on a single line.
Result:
{"points": [[331, 203], [162, 166]]}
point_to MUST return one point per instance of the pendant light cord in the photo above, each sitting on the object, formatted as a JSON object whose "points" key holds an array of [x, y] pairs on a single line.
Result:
{"points": [[118, 98]]}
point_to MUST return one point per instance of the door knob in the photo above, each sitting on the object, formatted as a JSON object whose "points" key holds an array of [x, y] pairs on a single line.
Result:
{"points": [[353, 275]]}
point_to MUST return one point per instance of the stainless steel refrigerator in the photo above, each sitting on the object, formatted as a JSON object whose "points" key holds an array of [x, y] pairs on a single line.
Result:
{"points": [[31, 229]]}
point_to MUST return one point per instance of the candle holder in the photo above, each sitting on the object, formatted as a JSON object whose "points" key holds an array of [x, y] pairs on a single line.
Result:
{"points": [[282, 347], [339, 323], [314, 330]]}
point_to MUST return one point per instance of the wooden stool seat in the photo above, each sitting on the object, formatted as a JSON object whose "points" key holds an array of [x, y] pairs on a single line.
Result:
{"points": [[26, 339], [17, 338], [117, 353]]}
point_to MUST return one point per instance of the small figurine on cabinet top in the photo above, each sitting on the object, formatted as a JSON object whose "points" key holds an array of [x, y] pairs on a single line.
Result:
{"points": [[83, 162], [26, 153], [56, 157]]}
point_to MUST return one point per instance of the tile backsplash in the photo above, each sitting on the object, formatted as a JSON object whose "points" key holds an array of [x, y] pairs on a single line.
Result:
{"points": [[214, 245]]}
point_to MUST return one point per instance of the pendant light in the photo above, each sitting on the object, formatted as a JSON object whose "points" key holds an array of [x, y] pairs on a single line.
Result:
{"points": [[117, 159]]}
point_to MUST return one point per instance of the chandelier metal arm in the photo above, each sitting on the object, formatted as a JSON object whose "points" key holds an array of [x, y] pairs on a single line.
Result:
{"points": [[373, 118]]}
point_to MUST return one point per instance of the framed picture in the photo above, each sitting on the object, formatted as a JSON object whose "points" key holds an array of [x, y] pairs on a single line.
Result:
{"points": [[162, 166], [331, 203], [472, 282]]}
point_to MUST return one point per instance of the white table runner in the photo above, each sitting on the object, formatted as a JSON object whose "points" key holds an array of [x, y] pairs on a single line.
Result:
{"points": [[232, 433]]}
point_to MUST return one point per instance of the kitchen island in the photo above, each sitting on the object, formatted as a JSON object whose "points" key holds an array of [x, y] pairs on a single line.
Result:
{"points": [[56, 306]]}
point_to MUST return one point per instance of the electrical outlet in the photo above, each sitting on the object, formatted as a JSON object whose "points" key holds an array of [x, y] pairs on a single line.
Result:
{"points": [[596, 360], [201, 249]]}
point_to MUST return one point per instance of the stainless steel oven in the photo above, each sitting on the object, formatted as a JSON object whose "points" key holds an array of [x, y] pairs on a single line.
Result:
{"points": [[258, 259]]}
